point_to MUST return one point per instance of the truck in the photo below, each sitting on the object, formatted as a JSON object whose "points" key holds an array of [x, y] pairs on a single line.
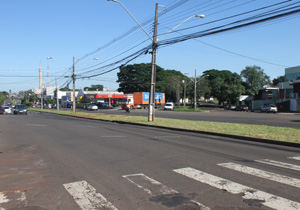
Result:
{"points": [[140, 100]]}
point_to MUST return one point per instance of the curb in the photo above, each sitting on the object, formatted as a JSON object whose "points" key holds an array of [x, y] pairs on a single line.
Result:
{"points": [[252, 139]]}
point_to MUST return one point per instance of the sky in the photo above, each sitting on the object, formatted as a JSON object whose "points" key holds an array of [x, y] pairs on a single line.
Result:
{"points": [[100, 33]]}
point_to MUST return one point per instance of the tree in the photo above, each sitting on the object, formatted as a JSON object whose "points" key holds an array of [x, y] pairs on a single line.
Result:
{"points": [[277, 80], [254, 78], [172, 84], [94, 87], [225, 85], [65, 89], [3, 96], [29, 97], [136, 78]]}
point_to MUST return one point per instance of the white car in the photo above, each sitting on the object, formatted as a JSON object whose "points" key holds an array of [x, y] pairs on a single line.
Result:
{"points": [[169, 106], [7, 109], [92, 107]]}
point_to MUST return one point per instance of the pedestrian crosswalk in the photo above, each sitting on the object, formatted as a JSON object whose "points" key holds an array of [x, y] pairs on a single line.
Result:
{"points": [[88, 197]]}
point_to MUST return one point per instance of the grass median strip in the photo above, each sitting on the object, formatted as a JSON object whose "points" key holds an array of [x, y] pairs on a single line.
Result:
{"points": [[255, 131]]}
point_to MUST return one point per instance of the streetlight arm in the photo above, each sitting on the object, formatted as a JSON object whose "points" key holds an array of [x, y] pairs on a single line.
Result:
{"points": [[201, 16], [133, 18]]}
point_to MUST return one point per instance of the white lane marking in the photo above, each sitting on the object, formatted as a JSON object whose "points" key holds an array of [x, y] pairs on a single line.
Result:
{"points": [[154, 187], [295, 158], [3, 198], [279, 164], [262, 174], [144, 182], [86, 196], [267, 199], [37, 125], [16, 196]]}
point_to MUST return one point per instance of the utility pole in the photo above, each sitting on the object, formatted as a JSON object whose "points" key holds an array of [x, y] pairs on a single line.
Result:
{"points": [[74, 77], [184, 94], [57, 102], [153, 70], [41, 84], [195, 93]]}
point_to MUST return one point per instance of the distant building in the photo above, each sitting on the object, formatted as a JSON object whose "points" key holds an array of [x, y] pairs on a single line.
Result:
{"points": [[289, 90]]}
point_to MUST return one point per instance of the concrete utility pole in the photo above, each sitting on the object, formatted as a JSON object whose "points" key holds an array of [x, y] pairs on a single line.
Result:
{"points": [[195, 94], [41, 84], [74, 77], [57, 102], [184, 94], [153, 70]]}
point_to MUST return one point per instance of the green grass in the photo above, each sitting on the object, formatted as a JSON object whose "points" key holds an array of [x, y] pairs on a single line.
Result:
{"points": [[256, 131], [188, 109]]}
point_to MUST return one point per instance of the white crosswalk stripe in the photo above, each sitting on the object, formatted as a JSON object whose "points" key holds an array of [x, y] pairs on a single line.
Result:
{"points": [[263, 174], [279, 164], [154, 187], [267, 199], [295, 158], [86, 196]]}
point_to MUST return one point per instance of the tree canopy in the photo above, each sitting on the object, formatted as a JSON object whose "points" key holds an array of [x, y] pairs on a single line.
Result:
{"points": [[94, 87], [277, 80], [254, 78], [225, 85]]}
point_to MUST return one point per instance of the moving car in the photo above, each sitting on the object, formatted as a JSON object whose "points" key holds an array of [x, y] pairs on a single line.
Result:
{"points": [[269, 108], [169, 106], [20, 109], [5, 110], [92, 107]]}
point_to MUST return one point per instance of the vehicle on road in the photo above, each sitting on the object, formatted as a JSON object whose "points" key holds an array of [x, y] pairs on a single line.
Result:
{"points": [[92, 107], [243, 108], [169, 106], [229, 107], [269, 108], [139, 100], [5, 110], [20, 109]]}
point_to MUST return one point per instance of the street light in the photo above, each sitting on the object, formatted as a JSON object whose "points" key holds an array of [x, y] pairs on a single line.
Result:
{"points": [[184, 93], [154, 47], [195, 90]]}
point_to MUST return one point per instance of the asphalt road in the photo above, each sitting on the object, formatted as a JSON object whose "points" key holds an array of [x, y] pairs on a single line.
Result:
{"points": [[291, 120], [57, 162]]}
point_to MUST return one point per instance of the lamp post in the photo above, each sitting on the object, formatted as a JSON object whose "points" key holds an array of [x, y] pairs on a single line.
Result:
{"points": [[195, 91], [184, 93], [154, 47]]}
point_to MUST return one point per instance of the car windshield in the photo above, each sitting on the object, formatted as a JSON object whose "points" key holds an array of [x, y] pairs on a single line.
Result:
{"points": [[21, 107]]}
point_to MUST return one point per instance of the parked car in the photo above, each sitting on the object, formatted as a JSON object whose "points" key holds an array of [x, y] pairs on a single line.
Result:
{"points": [[5, 110], [2, 110], [230, 107], [92, 107], [169, 106], [269, 108], [242, 108], [20, 109]]}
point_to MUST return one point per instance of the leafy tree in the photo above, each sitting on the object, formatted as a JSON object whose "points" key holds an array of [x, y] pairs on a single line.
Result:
{"points": [[225, 85], [28, 97], [136, 78], [3, 96], [65, 89], [254, 78], [277, 80], [95, 87], [172, 84]]}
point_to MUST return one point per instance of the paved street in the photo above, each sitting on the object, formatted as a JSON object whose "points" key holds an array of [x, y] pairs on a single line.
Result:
{"points": [[291, 120], [56, 162]]}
